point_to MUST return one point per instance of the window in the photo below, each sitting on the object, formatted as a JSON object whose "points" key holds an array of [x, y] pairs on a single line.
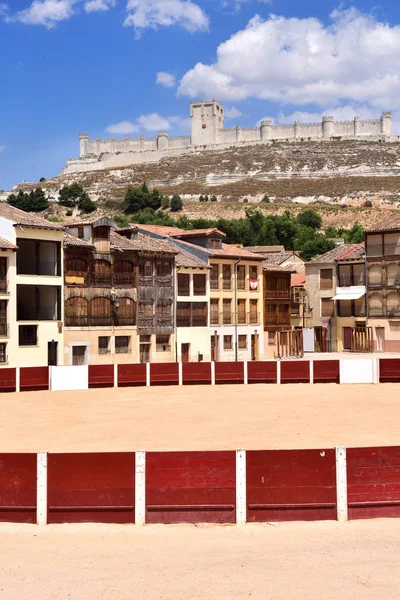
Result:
{"points": [[183, 284], [79, 355], [253, 312], [375, 245], [100, 308], [214, 273], [36, 257], [122, 343], [241, 312], [214, 243], [393, 273], [358, 274], [227, 342], [327, 307], [241, 277], [242, 342], [271, 338], [145, 345], [146, 271], [3, 318], [81, 232], [227, 277], [392, 244], [375, 305], [163, 343], [227, 312], [28, 335], [104, 344], [375, 276], [163, 269], [253, 273], [3, 353], [295, 309], [325, 279], [344, 275], [214, 312], [199, 285], [145, 339], [3, 275]]}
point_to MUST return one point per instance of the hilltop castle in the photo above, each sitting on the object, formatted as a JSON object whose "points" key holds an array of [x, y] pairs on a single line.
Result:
{"points": [[208, 133]]}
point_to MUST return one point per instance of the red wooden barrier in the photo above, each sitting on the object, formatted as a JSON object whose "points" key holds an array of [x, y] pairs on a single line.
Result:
{"points": [[8, 378], [229, 372], [295, 371], [389, 370], [291, 485], [261, 372], [164, 374], [18, 488], [131, 375], [373, 480], [190, 487], [34, 378], [326, 371], [101, 376], [96, 487], [196, 373]]}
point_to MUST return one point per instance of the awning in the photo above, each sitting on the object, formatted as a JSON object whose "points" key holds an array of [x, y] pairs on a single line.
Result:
{"points": [[353, 292]]}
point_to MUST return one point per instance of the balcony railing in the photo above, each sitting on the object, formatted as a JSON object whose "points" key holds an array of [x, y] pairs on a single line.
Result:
{"points": [[76, 321], [226, 318], [214, 318], [278, 294], [253, 318], [3, 285], [146, 280], [277, 320], [164, 320], [183, 291], [145, 321], [164, 280], [199, 320], [120, 279], [182, 320], [42, 267]]}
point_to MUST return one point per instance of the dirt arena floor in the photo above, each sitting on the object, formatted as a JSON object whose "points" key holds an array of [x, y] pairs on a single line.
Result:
{"points": [[201, 418], [289, 561]]}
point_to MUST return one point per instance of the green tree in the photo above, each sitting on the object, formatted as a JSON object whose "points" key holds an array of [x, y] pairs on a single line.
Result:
{"points": [[165, 203], [121, 220], [213, 198], [266, 200], [145, 189], [38, 200], [310, 218], [20, 200], [85, 203], [319, 244], [176, 203], [42, 179]]}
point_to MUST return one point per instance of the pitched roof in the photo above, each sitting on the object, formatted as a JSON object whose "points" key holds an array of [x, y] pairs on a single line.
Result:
{"points": [[265, 249], [199, 233], [391, 223], [7, 245], [277, 269], [298, 279], [143, 243], [188, 260], [73, 241], [345, 251], [277, 258], [163, 230], [91, 221], [20, 217]]}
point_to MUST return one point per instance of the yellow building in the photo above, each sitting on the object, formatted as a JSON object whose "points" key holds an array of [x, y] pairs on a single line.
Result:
{"points": [[31, 290]]}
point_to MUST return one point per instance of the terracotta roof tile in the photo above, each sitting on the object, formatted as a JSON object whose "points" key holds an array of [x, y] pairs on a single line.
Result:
{"points": [[19, 217], [73, 241], [344, 251], [143, 243], [199, 233], [388, 224], [163, 230], [7, 245], [298, 279], [265, 249]]}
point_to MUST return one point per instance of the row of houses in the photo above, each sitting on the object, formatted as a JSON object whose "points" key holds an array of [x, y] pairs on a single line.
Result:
{"points": [[91, 293]]}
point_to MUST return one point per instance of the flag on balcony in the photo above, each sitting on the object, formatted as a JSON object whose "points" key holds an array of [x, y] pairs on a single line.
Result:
{"points": [[254, 285]]}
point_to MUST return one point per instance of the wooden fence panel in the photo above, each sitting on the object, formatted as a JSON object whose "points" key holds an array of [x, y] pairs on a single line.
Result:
{"points": [[18, 488], [326, 371], [291, 485], [164, 374], [190, 487], [8, 380], [229, 372], [196, 373], [101, 376], [34, 378], [262, 372], [93, 487], [389, 370], [373, 480], [295, 371], [131, 375]]}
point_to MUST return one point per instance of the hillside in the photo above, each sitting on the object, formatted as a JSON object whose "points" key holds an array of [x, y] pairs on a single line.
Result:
{"points": [[333, 175]]}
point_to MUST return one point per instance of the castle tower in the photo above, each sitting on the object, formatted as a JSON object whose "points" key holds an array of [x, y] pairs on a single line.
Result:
{"points": [[266, 130], [356, 126], [327, 127], [207, 122], [162, 140], [83, 144], [386, 123]]}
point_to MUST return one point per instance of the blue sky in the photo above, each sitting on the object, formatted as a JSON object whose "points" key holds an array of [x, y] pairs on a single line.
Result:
{"points": [[109, 67]]}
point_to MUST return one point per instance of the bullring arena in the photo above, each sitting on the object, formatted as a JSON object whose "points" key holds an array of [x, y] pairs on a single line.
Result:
{"points": [[277, 560]]}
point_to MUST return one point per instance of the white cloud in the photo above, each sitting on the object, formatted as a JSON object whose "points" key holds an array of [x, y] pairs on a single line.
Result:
{"points": [[167, 80], [302, 61], [143, 14], [3, 8], [153, 122], [99, 5], [2, 148], [45, 12], [123, 127], [233, 113]]}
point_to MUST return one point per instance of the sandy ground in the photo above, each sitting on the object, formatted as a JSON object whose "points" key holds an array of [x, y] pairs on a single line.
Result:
{"points": [[201, 418], [292, 561]]}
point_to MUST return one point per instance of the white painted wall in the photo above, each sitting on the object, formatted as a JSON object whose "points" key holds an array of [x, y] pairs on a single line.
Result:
{"points": [[360, 370], [69, 378]]}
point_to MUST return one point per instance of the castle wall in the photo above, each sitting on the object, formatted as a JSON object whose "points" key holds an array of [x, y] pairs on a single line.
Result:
{"points": [[228, 136], [312, 130], [282, 132], [372, 127], [183, 141], [251, 134]]}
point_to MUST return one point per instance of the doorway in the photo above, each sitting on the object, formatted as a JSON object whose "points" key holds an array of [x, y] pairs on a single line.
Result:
{"points": [[185, 353], [254, 340], [347, 338], [214, 348], [321, 344], [79, 355], [52, 353], [380, 339]]}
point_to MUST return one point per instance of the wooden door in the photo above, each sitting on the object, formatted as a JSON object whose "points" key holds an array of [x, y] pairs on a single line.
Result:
{"points": [[144, 353], [347, 338], [52, 353], [214, 348], [185, 352], [254, 339], [79, 355]]}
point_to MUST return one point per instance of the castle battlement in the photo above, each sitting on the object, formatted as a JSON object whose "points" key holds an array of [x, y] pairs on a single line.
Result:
{"points": [[208, 132]]}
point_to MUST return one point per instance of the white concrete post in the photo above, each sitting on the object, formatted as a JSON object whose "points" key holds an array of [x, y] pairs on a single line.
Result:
{"points": [[17, 380], [241, 487], [140, 487], [213, 373], [245, 372], [115, 375], [278, 371], [180, 373], [311, 371], [148, 374], [375, 370], [41, 488], [341, 483]]}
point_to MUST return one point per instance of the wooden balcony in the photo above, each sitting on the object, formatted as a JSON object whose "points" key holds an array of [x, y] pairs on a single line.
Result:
{"points": [[278, 294]]}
